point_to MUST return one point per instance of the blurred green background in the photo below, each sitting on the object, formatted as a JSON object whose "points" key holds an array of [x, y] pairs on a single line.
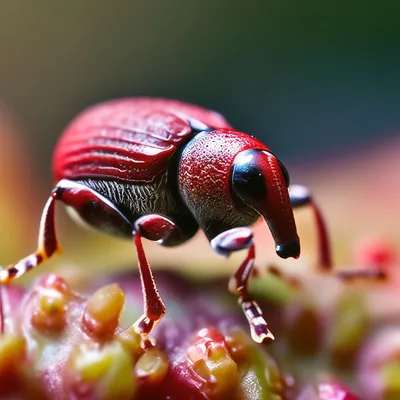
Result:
{"points": [[314, 80]]}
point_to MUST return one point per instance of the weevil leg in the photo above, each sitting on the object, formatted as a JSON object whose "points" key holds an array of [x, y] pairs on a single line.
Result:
{"points": [[2, 327], [47, 245], [300, 196], [154, 307], [100, 212], [353, 275], [226, 243], [87, 203], [162, 230]]}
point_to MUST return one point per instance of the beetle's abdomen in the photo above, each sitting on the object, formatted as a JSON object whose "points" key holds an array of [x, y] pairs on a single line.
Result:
{"points": [[128, 140], [136, 200]]}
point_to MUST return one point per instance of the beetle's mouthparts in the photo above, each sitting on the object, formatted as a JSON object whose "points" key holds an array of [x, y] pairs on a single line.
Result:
{"points": [[288, 249], [260, 180], [275, 206]]}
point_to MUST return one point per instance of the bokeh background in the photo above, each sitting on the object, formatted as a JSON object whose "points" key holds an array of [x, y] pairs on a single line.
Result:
{"points": [[319, 82]]}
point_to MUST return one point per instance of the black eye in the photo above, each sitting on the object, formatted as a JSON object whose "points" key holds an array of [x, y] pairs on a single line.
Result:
{"points": [[247, 178], [284, 172]]}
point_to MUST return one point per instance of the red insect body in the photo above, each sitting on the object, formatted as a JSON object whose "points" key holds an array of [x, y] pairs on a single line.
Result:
{"points": [[162, 169]]}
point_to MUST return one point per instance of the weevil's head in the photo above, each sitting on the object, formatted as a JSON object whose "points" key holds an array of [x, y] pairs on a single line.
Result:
{"points": [[260, 181], [228, 179]]}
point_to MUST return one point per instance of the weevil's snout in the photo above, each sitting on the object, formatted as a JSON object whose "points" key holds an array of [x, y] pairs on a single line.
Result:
{"points": [[288, 250], [261, 181]]}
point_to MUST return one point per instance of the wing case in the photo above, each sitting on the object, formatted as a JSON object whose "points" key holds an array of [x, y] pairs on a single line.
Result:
{"points": [[129, 140]]}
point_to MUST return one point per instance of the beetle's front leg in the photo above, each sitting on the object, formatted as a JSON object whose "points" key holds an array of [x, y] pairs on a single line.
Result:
{"points": [[47, 245], [226, 243]]}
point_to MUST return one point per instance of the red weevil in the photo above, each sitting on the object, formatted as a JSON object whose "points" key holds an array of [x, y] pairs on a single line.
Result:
{"points": [[161, 169]]}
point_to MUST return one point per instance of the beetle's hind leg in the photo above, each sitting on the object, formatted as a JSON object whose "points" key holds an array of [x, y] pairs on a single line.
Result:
{"points": [[47, 245], [226, 243]]}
